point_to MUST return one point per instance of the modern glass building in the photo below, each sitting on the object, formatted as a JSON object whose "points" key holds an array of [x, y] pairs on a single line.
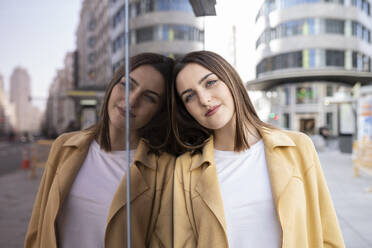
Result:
{"points": [[167, 27], [309, 50]]}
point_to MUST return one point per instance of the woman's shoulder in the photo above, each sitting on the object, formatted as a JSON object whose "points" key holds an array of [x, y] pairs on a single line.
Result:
{"points": [[298, 138], [72, 137]]}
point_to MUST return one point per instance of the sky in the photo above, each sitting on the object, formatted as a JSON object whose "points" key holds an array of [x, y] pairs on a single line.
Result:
{"points": [[37, 34]]}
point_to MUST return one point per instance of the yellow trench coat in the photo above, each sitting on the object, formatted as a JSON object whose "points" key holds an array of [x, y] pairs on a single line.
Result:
{"points": [[151, 196], [302, 199]]}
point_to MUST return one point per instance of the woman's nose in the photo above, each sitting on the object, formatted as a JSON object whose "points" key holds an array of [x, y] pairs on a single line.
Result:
{"points": [[133, 98], [204, 98]]}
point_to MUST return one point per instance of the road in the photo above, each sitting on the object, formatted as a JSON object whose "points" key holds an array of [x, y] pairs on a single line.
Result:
{"points": [[11, 156]]}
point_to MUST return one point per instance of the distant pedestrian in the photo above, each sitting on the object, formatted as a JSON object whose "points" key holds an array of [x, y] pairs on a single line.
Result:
{"points": [[241, 182], [82, 196]]}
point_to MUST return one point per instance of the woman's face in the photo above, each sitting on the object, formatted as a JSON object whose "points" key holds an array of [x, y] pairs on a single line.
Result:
{"points": [[145, 95], [205, 96]]}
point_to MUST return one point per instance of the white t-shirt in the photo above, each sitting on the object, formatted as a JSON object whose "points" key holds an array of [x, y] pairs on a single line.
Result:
{"points": [[83, 216], [250, 211]]}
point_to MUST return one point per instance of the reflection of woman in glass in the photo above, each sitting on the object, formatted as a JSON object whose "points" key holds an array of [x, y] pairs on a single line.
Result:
{"points": [[82, 196], [242, 182]]}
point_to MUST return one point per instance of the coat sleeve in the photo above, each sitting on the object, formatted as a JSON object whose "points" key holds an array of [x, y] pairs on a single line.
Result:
{"points": [[332, 236]]}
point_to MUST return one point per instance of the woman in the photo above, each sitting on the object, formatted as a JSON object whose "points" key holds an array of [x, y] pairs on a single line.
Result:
{"points": [[82, 196], [242, 182]]}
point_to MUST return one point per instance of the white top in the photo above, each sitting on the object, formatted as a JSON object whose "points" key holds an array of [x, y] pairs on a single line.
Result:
{"points": [[250, 212], [83, 216]]}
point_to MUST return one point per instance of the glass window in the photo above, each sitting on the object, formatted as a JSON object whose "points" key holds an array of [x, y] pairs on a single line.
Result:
{"points": [[91, 42], [329, 91], [286, 120], [305, 95], [144, 34], [287, 95], [91, 25], [91, 58], [335, 58], [329, 120], [174, 5], [334, 26]]}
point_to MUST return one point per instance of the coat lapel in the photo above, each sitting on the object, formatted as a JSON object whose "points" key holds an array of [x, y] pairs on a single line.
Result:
{"points": [[279, 164], [208, 185], [138, 182], [68, 170]]}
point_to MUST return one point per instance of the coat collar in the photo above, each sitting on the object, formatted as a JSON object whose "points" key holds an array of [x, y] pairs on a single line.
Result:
{"points": [[272, 138]]}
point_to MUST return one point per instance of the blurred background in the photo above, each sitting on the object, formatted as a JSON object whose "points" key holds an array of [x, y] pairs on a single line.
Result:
{"points": [[306, 65]]}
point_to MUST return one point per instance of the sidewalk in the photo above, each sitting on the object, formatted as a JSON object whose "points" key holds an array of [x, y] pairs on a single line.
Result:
{"points": [[353, 204], [17, 194]]}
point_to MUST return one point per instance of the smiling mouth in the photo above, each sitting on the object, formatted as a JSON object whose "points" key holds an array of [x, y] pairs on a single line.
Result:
{"points": [[122, 112], [212, 111]]}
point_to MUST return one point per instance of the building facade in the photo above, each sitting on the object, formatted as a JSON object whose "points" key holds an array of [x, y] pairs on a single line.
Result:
{"points": [[60, 115], [308, 50], [27, 117], [7, 120], [160, 26]]}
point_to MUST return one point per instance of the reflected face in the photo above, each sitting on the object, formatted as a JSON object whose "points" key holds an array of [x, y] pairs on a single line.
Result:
{"points": [[205, 96], [145, 97]]}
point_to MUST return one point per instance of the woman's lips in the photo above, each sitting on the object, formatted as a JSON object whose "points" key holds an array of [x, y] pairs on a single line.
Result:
{"points": [[122, 112], [212, 110]]}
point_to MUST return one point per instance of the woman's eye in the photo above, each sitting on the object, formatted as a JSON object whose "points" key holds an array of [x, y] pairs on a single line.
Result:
{"points": [[149, 98], [124, 85], [189, 97], [210, 83]]}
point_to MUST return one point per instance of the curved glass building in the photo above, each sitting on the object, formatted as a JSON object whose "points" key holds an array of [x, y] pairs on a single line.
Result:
{"points": [[309, 50], [168, 27]]}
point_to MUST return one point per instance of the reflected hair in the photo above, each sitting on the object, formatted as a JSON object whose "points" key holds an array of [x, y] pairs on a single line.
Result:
{"points": [[189, 134], [157, 132]]}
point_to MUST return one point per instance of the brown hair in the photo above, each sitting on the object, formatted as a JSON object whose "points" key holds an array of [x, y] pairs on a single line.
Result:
{"points": [[189, 134], [157, 131]]}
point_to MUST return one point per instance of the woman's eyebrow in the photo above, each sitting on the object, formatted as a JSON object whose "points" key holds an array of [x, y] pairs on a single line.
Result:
{"points": [[133, 80], [205, 76], [200, 81]]}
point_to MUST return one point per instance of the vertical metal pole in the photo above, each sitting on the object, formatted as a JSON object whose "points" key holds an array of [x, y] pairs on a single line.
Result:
{"points": [[127, 123]]}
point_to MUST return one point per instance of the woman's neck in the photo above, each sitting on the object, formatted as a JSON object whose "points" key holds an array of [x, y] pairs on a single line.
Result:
{"points": [[224, 138], [118, 139]]}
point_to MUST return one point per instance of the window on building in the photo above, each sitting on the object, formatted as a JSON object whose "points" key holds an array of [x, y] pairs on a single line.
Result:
{"points": [[92, 74], [329, 90], [308, 58], [91, 58], [334, 26], [91, 25], [144, 34], [329, 120], [335, 58], [91, 42], [286, 121], [287, 91], [181, 5], [182, 32], [305, 95]]}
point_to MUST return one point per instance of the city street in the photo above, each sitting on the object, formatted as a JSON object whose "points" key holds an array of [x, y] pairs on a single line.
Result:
{"points": [[353, 204], [11, 156]]}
